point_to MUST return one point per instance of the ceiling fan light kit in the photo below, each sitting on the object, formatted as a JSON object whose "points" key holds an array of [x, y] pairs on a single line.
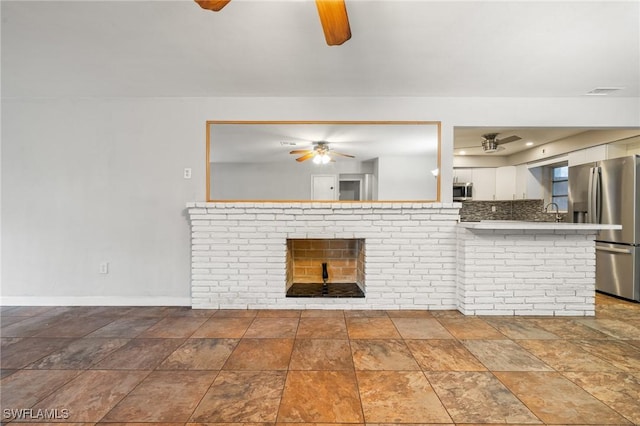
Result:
{"points": [[492, 144], [332, 13], [320, 152], [489, 146]]}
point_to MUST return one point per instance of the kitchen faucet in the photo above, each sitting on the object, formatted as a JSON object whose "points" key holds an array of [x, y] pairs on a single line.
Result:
{"points": [[546, 210]]}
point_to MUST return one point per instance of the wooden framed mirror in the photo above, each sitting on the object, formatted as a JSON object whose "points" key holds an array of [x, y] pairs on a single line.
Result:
{"points": [[323, 161]]}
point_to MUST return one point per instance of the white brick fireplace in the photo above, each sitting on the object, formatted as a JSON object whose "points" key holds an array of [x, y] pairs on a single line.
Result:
{"points": [[239, 253]]}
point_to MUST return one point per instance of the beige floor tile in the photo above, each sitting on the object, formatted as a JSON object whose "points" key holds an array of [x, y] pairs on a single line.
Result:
{"points": [[26, 387], [322, 328], [241, 397], [504, 355], [321, 354], [141, 354], [236, 313], [92, 394], [173, 327], [520, 328], [125, 327], [320, 397], [443, 355], [556, 400], [618, 328], [478, 397], [565, 356], [470, 328], [371, 328], [164, 396], [619, 353], [382, 355], [356, 313], [620, 391], [74, 328], [409, 313], [79, 354], [260, 354], [272, 328], [421, 328], [223, 327], [322, 313], [19, 352], [399, 397], [566, 328], [279, 313], [200, 354]]}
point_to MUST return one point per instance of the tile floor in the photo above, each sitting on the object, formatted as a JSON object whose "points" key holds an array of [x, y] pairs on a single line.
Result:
{"points": [[176, 365]]}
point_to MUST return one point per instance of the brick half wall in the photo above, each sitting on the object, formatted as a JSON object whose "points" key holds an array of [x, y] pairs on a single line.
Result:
{"points": [[526, 272], [239, 254]]}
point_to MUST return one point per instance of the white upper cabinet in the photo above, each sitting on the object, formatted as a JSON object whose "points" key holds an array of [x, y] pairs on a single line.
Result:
{"points": [[499, 183], [595, 153], [462, 175], [506, 183], [484, 184]]}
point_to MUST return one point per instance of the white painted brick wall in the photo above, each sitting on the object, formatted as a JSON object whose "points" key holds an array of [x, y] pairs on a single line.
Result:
{"points": [[416, 257], [238, 253], [526, 272]]}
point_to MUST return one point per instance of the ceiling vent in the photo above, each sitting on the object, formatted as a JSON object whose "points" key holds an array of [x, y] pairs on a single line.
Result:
{"points": [[603, 91]]}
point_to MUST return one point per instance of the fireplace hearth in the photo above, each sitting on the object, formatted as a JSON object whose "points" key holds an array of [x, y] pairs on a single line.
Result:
{"points": [[322, 290]]}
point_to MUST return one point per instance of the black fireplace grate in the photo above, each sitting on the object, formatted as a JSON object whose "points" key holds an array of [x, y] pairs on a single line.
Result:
{"points": [[331, 290]]}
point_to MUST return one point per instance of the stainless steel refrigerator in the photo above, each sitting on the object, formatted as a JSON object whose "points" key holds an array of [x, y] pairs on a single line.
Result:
{"points": [[608, 192]]}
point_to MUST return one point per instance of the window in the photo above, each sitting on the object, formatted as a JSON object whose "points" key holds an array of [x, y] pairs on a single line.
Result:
{"points": [[560, 187]]}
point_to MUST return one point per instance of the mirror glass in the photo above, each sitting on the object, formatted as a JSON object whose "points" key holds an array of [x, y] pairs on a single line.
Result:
{"points": [[325, 161]]}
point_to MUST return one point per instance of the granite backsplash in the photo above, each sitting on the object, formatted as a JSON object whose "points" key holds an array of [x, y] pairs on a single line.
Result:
{"points": [[529, 210]]}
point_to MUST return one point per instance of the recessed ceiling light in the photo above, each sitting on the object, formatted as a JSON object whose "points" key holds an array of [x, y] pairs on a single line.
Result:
{"points": [[603, 91], [463, 152], [287, 143], [529, 143]]}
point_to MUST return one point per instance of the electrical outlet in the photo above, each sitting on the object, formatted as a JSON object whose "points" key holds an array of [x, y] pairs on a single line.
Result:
{"points": [[103, 268], [493, 209], [187, 173]]}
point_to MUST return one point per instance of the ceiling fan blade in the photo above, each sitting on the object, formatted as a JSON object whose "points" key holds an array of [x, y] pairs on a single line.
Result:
{"points": [[509, 139], [341, 154], [214, 5], [335, 22], [300, 151], [306, 156]]}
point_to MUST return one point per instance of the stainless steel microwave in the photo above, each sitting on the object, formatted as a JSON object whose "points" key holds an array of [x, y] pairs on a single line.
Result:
{"points": [[462, 191]]}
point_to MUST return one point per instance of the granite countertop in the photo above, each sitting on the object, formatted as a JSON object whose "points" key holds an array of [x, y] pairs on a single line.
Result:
{"points": [[520, 224]]}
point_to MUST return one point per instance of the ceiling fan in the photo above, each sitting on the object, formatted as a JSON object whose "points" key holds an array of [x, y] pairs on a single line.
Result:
{"points": [[333, 17], [491, 143], [320, 152]]}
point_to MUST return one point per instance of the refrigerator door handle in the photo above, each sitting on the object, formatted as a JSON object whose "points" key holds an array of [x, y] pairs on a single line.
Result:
{"points": [[613, 250], [595, 196]]}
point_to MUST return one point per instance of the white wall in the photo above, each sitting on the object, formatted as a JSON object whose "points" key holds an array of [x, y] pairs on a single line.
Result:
{"points": [[92, 180], [406, 178], [271, 181]]}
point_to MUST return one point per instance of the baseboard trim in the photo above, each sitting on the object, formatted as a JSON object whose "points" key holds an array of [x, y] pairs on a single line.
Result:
{"points": [[95, 301]]}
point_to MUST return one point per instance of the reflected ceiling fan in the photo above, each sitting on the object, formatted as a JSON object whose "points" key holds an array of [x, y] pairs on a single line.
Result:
{"points": [[333, 17], [492, 144], [320, 152]]}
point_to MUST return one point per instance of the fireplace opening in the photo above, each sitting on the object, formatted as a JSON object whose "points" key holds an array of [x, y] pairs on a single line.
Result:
{"points": [[325, 267]]}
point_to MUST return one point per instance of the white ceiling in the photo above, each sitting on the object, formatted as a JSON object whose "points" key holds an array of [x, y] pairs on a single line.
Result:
{"points": [[272, 142], [276, 48], [167, 48]]}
